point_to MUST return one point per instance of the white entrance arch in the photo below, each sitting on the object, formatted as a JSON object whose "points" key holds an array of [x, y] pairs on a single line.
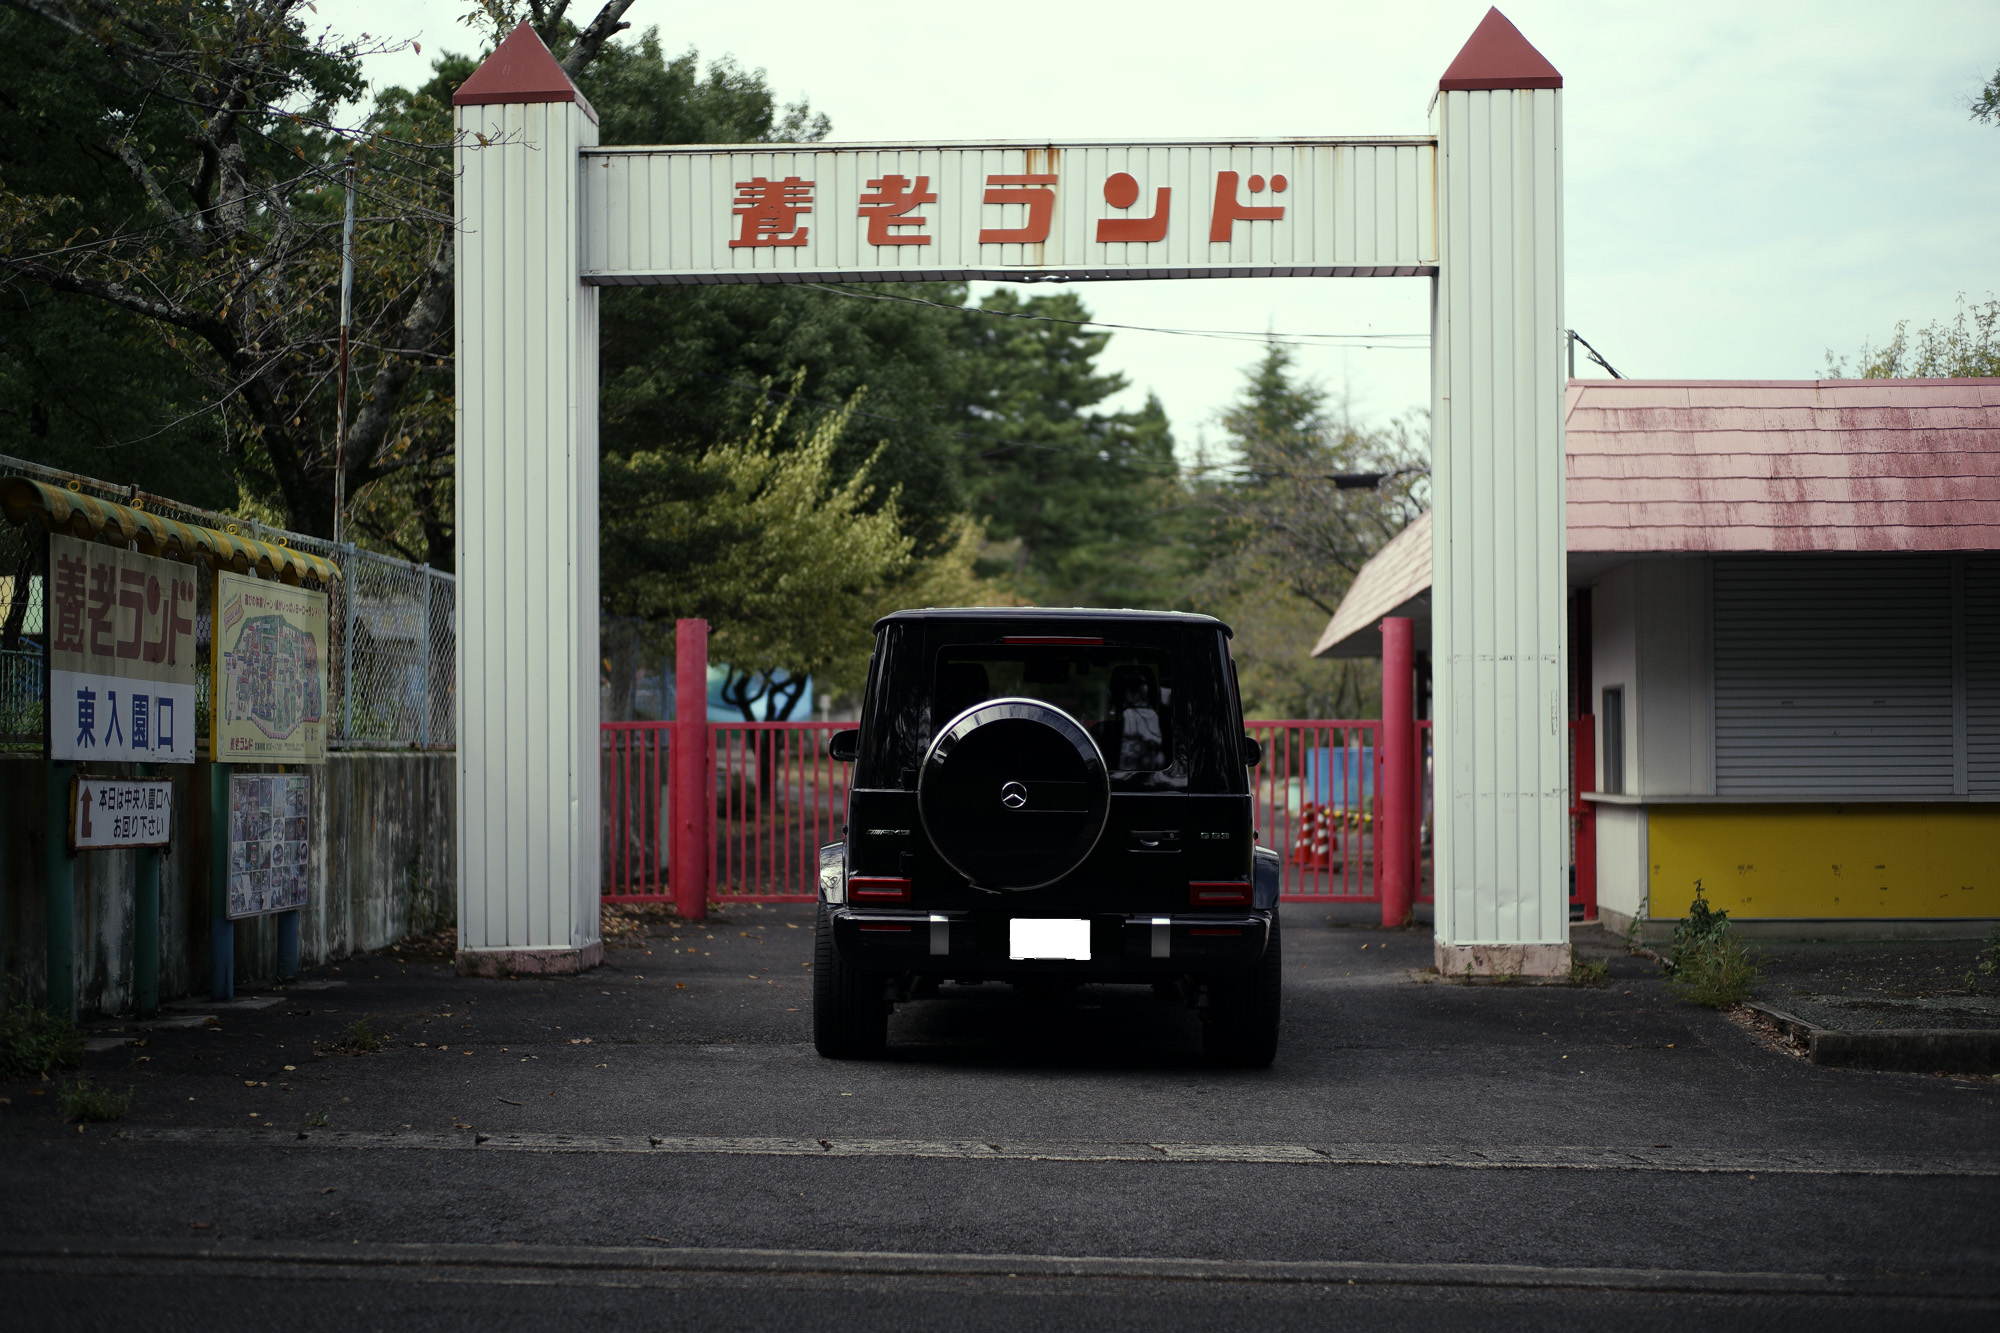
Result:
{"points": [[546, 218]]}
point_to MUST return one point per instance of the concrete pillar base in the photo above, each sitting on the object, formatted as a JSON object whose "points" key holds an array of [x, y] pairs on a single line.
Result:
{"points": [[1504, 960], [529, 962]]}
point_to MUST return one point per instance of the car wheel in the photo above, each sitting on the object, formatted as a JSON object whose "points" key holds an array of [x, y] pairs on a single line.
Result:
{"points": [[850, 1014], [1240, 1025]]}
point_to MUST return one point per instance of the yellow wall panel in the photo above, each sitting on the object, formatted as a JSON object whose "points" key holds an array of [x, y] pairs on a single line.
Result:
{"points": [[1826, 860]]}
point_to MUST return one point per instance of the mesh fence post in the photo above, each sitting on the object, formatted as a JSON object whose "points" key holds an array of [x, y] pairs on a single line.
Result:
{"points": [[348, 599], [424, 633]]}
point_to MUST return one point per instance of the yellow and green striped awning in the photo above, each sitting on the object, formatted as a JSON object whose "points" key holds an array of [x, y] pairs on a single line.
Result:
{"points": [[92, 519]]}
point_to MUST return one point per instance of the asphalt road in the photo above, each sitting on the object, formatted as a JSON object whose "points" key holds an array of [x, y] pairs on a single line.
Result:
{"points": [[655, 1144]]}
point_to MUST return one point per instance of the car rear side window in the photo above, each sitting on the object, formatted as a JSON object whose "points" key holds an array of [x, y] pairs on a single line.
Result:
{"points": [[1123, 694]]}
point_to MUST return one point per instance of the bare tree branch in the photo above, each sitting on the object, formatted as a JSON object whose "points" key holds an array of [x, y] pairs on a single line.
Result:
{"points": [[591, 40]]}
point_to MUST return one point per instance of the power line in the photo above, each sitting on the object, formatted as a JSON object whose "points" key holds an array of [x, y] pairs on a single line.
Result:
{"points": [[1222, 335], [1591, 352]]}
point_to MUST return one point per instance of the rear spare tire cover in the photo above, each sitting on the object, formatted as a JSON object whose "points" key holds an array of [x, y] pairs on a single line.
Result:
{"points": [[1013, 793]]}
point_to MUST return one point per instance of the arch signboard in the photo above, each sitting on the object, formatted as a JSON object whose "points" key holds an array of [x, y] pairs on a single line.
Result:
{"points": [[546, 218], [1071, 211]]}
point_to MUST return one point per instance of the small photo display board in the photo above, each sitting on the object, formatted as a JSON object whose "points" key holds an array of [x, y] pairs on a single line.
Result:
{"points": [[106, 813], [269, 846]]}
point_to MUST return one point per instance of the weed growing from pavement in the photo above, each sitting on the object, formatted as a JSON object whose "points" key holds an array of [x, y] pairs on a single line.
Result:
{"points": [[360, 1035], [1708, 963], [34, 1041], [1589, 972], [81, 1100], [1988, 963], [316, 1120]]}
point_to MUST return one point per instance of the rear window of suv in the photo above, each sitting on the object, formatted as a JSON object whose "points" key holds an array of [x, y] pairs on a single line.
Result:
{"points": [[1123, 695]]}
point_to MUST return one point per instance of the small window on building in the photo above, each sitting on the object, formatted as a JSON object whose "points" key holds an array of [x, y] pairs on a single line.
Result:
{"points": [[1611, 726]]}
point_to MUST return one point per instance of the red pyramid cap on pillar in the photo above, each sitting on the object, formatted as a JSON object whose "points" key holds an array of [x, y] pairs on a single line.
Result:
{"points": [[1498, 56], [520, 70]]}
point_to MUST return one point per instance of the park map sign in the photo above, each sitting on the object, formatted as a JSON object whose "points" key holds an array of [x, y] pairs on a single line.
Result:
{"points": [[270, 663]]}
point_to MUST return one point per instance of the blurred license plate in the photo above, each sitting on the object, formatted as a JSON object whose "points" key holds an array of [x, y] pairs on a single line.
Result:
{"points": [[1044, 938]]}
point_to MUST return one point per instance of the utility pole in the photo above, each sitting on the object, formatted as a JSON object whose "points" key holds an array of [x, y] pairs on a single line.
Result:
{"points": [[340, 392]]}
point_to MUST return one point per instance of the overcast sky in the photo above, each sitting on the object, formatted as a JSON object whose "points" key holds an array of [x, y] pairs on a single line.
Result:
{"points": [[1747, 185]]}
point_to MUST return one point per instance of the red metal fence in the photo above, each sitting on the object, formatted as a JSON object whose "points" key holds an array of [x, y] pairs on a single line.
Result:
{"points": [[778, 797], [633, 789], [1315, 800]]}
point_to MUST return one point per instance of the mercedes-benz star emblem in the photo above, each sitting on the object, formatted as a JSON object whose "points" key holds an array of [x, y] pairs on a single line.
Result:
{"points": [[1013, 795]]}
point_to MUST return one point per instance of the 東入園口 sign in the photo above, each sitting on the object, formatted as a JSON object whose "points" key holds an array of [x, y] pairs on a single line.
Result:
{"points": [[1296, 207]]}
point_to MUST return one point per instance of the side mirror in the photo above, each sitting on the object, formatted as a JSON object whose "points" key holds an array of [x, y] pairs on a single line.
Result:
{"points": [[1253, 751], [844, 745]]}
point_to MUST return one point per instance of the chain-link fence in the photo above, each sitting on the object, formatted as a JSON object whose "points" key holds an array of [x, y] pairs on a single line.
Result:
{"points": [[393, 626], [394, 653]]}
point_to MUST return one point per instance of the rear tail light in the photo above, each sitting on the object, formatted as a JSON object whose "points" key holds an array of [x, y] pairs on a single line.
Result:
{"points": [[1219, 893], [880, 889]]}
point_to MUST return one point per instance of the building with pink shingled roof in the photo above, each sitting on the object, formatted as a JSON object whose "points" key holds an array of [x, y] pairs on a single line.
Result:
{"points": [[1785, 637]]}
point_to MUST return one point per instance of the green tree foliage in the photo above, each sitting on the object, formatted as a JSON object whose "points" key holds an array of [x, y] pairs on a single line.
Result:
{"points": [[1986, 106], [788, 559], [1077, 502], [1300, 499], [1968, 346], [201, 200]]}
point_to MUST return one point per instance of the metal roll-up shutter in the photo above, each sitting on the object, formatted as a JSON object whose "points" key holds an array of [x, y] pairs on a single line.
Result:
{"points": [[1833, 675], [1982, 674]]}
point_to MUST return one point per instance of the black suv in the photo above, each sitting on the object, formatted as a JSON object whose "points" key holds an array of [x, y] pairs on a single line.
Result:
{"points": [[1049, 796]]}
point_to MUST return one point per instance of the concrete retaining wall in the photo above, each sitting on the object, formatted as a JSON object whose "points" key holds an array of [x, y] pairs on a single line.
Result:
{"points": [[382, 866]]}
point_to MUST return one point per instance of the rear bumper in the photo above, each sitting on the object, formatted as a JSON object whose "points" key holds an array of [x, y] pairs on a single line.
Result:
{"points": [[1123, 947]]}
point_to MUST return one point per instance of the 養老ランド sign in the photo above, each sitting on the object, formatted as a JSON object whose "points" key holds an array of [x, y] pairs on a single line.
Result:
{"points": [[122, 669]]}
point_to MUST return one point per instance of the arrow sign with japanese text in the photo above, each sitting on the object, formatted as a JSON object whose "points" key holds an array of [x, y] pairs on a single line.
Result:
{"points": [[1277, 208], [120, 812]]}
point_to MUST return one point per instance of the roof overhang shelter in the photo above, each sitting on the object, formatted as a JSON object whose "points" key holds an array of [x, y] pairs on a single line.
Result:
{"points": [[1686, 467], [1785, 616]]}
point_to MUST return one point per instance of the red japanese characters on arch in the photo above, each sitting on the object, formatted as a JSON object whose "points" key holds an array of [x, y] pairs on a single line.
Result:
{"points": [[888, 209], [1034, 193], [122, 671], [1230, 209], [1013, 207], [1121, 192], [770, 212]]}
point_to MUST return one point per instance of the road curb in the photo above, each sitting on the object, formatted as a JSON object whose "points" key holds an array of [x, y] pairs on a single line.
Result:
{"points": [[252, 1258], [1908, 1050]]}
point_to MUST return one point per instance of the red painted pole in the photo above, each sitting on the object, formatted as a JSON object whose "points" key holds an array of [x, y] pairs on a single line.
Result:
{"points": [[692, 797], [1393, 838], [1583, 735]]}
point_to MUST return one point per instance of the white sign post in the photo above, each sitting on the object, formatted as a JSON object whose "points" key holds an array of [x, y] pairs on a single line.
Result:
{"points": [[546, 217]]}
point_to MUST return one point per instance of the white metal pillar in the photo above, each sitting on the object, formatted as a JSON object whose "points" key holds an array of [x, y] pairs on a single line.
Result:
{"points": [[526, 512], [1499, 621]]}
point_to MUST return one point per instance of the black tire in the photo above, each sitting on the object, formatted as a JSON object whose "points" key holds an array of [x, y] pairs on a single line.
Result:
{"points": [[1240, 1025], [850, 1012]]}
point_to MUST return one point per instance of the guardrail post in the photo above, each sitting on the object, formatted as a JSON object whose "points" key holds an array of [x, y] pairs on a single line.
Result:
{"points": [[60, 891], [221, 930], [146, 925], [1393, 843], [691, 796]]}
